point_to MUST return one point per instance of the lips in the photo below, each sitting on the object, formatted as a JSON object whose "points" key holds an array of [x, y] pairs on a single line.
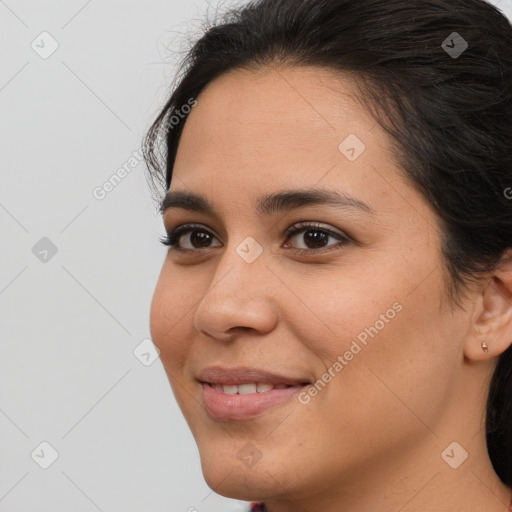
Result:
{"points": [[243, 393], [245, 389], [236, 376]]}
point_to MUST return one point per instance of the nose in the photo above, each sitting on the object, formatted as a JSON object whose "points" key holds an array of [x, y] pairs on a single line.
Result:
{"points": [[239, 298]]}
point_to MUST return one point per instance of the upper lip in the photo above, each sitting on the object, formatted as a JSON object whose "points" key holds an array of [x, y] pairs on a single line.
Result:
{"points": [[244, 375]]}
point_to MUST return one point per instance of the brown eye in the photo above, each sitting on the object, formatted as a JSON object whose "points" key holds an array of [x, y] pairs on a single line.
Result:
{"points": [[200, 239], [314, 237]]}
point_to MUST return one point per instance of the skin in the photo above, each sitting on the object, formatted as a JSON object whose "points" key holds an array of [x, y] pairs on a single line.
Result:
{"points": [[372, 438]]}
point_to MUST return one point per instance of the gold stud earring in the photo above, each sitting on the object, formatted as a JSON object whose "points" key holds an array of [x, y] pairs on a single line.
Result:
{"points": [[485, 347]]}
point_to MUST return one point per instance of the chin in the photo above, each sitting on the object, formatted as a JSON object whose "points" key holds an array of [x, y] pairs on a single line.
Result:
{"points": [[245, 485], [232, 477]]}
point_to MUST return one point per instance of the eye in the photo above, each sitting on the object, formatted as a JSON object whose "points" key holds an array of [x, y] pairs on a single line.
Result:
{"points": [[201, 237], [315, 237]]}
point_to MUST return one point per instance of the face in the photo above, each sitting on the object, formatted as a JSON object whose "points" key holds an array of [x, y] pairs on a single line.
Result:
{"points": [[349, 303]]}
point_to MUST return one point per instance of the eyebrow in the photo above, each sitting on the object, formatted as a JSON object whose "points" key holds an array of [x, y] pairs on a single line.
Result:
{"points": [[278, 202]]}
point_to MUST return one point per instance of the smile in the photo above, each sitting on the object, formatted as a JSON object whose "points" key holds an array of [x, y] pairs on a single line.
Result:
{"points": [[245, 401], [245, 389]]}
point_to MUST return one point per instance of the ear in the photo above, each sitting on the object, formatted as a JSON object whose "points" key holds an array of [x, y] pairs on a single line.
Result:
{"points": [[493, 315]]}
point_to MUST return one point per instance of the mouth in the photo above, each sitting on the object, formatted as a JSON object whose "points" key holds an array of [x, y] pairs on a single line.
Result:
{"points": [[242, 393], [245, 376], [251, 387]]}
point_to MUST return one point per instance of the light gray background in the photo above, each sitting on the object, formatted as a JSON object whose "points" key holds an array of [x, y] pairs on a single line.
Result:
{"points": [[70, 324]]}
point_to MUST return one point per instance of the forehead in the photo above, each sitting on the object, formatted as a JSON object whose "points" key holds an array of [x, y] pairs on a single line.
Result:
{"points": [[254, 132], [281, 122], [303, 106]]}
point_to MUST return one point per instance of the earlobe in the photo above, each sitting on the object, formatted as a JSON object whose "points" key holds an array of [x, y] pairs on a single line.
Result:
{"points": [[483, 351], [493, 326], [486, 349]]}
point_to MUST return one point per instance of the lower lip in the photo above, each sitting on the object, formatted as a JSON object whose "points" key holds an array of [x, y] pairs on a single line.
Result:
{"points": [[226, 407]]}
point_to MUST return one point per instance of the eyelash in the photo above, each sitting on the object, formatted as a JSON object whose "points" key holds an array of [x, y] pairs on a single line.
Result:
{"points": [[173, 237]]}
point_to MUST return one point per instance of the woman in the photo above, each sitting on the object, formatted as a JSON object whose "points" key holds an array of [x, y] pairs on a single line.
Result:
{"points": [[335, 309]]}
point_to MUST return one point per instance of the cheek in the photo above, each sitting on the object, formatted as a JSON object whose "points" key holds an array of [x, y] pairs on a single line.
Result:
{"points": [[329, 311], [394, 356], [170, 320]]}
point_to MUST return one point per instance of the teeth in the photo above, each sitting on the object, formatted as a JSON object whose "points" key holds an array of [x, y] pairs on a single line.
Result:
{"points": [[262, 388], [247, 388], [243, 389]]}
